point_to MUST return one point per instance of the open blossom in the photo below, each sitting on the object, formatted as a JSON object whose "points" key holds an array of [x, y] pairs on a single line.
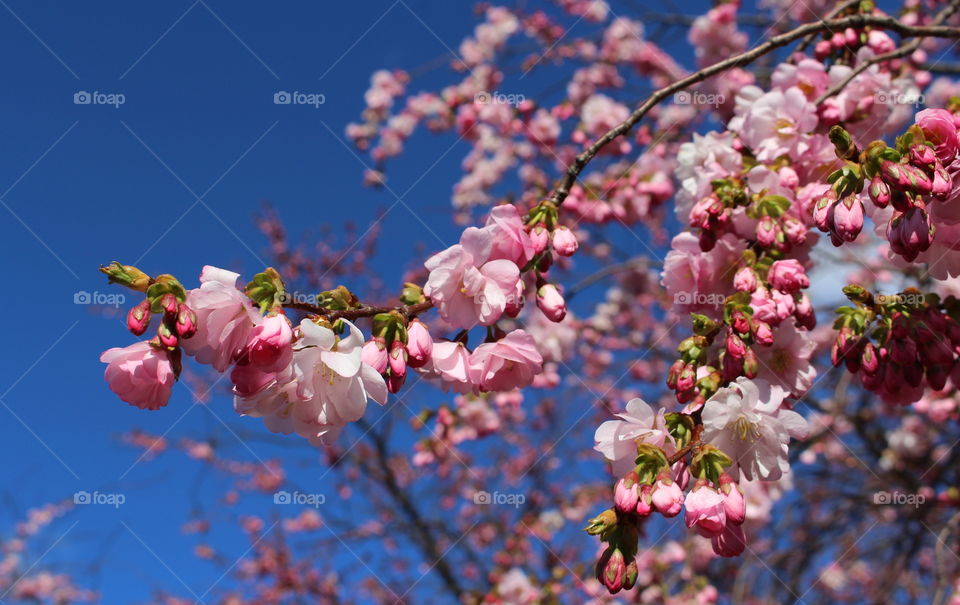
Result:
{"points": [[450, 361], [510, 240], [786, 362], [617, 439], [515, 588], [326, 386], [697, 280], [467, 288], [509, 363], [775, 123], [705, 509], [746, 422], [225, 319], [939, 128], [140, 374]]}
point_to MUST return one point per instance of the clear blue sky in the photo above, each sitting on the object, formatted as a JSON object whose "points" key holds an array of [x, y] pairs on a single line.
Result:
{"points": [[82, 185]]}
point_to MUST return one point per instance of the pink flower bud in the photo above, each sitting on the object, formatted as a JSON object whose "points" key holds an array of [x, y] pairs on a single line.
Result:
{"points": [[922, 155], [551, 302], [734, 506], [745, 280], [788, 276], [540, 238], [168, 337], [705, 510], [848, 218], [667, 497], [822, 49], [374, 354], [395, 382], [795, 230], [731, 542], [270, 347], [612, 569], [138, 319], [822, 210], [766, 231], [564, 241], [419, 344], [942, 183], [169, 304], [397, 358], [879, 192], [186, 321], [762, 333], [869, 361], [626, 494], [750, 364], [735, 345], [645, 500], [805, 314], [687, 378]]}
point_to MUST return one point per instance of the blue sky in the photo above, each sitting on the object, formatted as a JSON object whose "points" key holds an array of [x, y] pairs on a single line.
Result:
{"points": [[171, 180]]}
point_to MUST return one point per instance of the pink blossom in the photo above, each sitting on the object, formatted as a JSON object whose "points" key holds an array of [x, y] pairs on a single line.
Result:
{"points": [[509, 363], [466, 288], [140, 374], [564, 241], [617, 439], [705, 509], [786, 362], [939, 128], [731, 542], [510, 240], [788, 276], [775, 123], [270, 347], [450, 361], [225, 319]]}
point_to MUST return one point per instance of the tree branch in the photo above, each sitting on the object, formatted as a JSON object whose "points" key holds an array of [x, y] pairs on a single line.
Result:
{"points": [[745, 58]]}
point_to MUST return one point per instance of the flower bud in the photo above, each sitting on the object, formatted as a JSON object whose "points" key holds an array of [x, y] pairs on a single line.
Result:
{"points": [[645, 500], [540, 238], [397, 359], [705, 509], [750, 364], [612, 569], [766, 231], [848, 218], [602, 523], [745, 280], [788, 276], [667, 497], [169, 304], [564, 241], [551, 302], [731, 542], [374, 354], [734, 505], [168, 337], [735, 345], [626, 494], [138, 319], [879, 192], [186, 321], [762, 334], [419, 344]]}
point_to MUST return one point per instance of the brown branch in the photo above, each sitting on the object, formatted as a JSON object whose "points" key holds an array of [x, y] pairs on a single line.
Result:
{"points": [[854, 21], [363, 311], [898, 53], [694, 443]]}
